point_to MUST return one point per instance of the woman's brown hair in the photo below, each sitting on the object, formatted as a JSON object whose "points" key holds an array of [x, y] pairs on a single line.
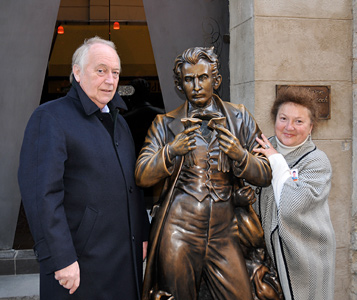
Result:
{"points": [[298, 95]]}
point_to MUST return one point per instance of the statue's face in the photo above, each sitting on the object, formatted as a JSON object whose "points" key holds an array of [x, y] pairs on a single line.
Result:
{"points": [[198, 83]]}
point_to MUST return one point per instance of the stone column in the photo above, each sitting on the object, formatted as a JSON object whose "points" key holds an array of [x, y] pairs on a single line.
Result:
{"points": [[354, 160], [242, 53], [26, 34]]}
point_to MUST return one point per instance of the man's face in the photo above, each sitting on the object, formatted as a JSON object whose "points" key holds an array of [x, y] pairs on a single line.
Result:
{"points": [[100, 75], [198, 83]]}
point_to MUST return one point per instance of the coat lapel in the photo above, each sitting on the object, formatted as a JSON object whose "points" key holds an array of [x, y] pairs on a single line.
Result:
{"points": [[176, 125]]}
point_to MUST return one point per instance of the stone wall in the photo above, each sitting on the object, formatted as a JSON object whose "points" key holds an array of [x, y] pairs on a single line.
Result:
{"points": [[307, 42], [354, 160]]}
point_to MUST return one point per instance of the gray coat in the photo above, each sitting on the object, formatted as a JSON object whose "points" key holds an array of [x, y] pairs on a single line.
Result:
{"points": [[299, 233]]}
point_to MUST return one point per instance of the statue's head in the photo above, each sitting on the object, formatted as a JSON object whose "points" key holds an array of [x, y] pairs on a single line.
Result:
{"points": [[196, 74]]}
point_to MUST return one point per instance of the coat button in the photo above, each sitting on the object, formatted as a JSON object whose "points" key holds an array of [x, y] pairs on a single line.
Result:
{"points": [[131, 189]]}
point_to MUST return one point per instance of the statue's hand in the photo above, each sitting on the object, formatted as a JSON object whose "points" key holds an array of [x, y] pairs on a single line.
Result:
{"points": [[244, 196], [183, 142], [229, 144]]}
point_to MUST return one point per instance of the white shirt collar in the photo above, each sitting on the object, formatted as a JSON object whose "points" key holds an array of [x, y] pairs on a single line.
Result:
{"points": [[105, 109]]}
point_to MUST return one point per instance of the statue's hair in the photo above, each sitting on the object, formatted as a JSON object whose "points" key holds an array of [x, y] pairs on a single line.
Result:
{"points": [[79, 57], [192, 56]]}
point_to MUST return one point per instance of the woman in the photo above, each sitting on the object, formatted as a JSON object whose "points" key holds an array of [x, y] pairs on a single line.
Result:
{"points": [[294, 210]]}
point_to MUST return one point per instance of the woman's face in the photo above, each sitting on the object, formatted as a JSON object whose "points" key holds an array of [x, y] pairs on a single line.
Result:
{"points": [[292, 124]]}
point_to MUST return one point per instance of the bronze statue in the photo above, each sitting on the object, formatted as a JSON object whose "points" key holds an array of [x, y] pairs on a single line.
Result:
{"points": [[202, 152]]}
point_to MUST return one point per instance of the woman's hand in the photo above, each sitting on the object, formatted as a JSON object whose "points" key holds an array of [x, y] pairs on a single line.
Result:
{"points": [[267, 148]]}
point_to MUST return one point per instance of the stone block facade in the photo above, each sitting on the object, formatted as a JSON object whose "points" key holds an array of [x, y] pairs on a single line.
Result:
{"points": [[305, 43]]}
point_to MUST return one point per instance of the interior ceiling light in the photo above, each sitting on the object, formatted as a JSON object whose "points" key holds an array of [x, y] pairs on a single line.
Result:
{"points": [[60, 30], [116, 26]]}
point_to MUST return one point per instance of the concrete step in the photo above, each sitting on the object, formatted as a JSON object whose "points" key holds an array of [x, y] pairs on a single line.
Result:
{"points": [[20, 287], [18, 262]]}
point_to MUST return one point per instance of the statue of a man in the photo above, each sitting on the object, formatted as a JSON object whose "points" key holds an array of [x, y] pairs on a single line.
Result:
{"points": [[202, 152]]}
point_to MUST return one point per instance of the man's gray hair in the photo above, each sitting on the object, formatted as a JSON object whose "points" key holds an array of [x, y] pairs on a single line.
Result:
{"points": [[79, 57]]}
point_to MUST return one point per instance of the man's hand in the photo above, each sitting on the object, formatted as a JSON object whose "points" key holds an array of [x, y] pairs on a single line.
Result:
{"points": [[69, 277], [183, 142], [229, 144], [145, 249]]}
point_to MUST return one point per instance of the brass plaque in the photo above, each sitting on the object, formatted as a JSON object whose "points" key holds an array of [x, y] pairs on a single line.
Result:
{"points": [[323, 98]]}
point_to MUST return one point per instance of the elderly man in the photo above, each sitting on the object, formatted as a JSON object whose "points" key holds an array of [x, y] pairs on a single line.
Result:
{"points": [[76, 178], [202, 151]]}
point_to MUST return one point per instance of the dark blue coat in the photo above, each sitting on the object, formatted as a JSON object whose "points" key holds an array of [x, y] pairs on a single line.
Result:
{"points": [[78, 190]]}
